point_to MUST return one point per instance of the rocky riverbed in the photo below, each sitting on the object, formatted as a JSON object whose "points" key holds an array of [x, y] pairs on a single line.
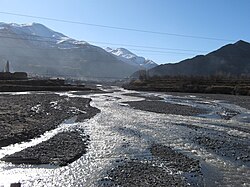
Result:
{"points": [[26, 116], [188, 140], [62, 149], [164, 167], [239, 100], [166, 108]]}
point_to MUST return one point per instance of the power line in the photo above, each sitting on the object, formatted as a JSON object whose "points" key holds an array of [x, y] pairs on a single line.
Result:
{"points": [[140, 50], [164, 52], [54, 48], [118, 28], [108, 43], [48, 41], [149, 47]]}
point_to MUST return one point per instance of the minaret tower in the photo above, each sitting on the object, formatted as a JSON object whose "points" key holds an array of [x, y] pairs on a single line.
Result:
{"points": [[7, 67]]}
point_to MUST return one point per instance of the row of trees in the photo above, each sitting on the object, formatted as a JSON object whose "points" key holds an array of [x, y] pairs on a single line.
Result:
{"points": [[143, 76]]}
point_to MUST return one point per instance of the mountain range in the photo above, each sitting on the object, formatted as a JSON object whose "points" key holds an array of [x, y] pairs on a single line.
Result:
{"points": [[130, 58], [38, 50], [231, 59]]}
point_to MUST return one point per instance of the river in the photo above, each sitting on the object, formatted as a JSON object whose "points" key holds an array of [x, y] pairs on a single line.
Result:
{"points": [[122, 132]]}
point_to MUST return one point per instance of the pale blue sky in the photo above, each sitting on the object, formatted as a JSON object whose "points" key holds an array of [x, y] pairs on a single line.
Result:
{"points": [[228, 19]]}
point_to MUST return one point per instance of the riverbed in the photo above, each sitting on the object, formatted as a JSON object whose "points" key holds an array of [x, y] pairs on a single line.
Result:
{"points": [[210, 146]]}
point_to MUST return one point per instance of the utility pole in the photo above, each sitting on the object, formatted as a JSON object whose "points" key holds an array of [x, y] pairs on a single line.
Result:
{"points": [[7, 67]]}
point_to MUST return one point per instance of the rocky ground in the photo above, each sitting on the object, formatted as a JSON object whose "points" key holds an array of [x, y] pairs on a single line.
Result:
{"points": [[166, 108], [165, 167], [243, 101], [226, 145], [61, 149], [221, 143], [23, 117]]}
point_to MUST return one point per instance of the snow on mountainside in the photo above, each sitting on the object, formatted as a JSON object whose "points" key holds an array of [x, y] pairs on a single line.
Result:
{"points": [[40, 35], [37, 49], [130, 58]]}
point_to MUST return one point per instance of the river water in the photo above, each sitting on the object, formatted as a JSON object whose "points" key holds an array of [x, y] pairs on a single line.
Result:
{"points": [[121, 132]]}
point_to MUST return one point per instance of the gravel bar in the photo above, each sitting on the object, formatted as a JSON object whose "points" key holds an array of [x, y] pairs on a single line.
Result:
{"points": [[243, 101], [175, 169], [23, 117], [166, 108], [61, 150]]}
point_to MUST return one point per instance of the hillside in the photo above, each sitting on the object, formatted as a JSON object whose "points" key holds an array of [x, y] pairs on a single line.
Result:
{"points": [[224, 71], [37, 49], [131, 58], [231, 59]]}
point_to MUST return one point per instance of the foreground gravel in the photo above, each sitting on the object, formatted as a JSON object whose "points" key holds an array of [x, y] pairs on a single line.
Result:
{"points": [[141, 174], [61, 149], [175, 160], [166, 167]]}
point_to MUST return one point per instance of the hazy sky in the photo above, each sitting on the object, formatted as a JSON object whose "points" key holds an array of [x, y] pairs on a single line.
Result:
{"points": [[222, 19]]}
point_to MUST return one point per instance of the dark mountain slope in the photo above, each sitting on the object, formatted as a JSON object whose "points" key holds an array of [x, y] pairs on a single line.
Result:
{"points": [[231, 59]]}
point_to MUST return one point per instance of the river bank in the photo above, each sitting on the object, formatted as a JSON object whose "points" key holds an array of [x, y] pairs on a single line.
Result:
{"points": [[192, 84]]}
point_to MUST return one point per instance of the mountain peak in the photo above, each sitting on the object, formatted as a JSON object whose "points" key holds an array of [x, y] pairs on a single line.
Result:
{"points": [[108, 49], [41, 35], [31, 24], [31, 51], [242, 42], [128, 57], [122, 51], [31, 29]]}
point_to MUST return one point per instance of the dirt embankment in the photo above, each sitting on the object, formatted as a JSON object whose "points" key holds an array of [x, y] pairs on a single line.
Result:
{"points": [[192, 84]]}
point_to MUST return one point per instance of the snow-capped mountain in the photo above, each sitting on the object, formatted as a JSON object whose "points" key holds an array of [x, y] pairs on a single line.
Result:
{"points": [[37, 49], [40, 35], [130, 58]]}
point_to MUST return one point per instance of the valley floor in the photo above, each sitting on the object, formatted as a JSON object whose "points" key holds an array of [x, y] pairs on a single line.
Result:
{"points": [[136, 139]]}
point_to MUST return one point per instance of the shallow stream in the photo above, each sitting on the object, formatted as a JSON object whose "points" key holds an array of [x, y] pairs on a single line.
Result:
{"points": [[120, 132]]}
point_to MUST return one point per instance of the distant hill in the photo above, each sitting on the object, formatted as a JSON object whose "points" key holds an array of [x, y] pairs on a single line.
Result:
{"points": [[131, 58], [36, 49], [231, 59]]}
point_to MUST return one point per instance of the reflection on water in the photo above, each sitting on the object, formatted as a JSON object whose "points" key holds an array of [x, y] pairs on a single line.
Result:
{"points": [[120, 132]]}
